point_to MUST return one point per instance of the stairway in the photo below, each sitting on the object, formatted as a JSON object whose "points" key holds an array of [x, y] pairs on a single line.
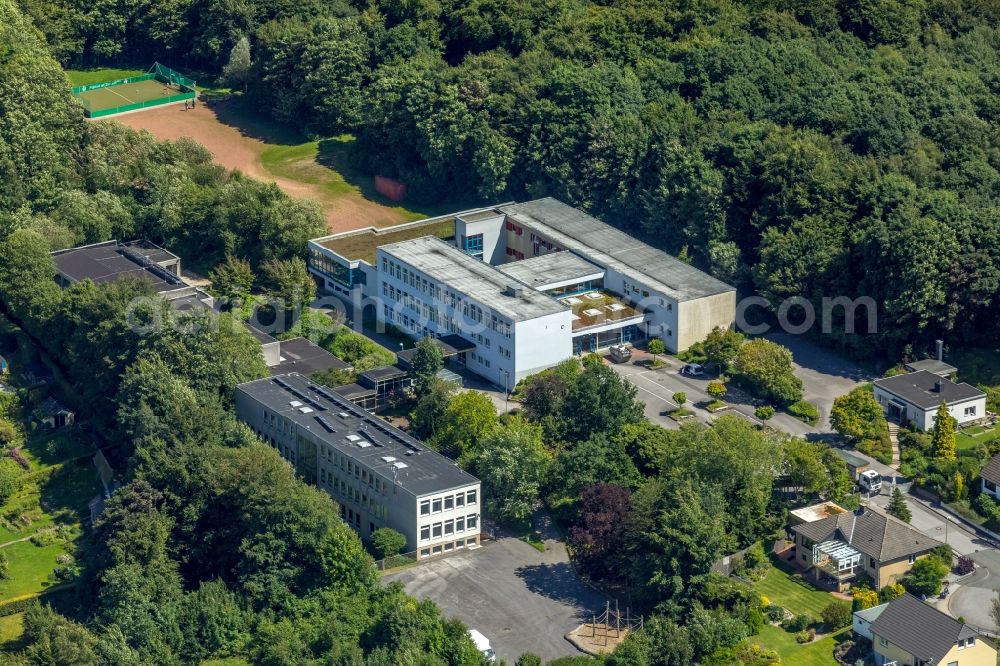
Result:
{"points": [[894, 438]]}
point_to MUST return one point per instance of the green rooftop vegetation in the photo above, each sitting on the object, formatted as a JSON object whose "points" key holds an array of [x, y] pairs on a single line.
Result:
{"points": [[362, 245]]}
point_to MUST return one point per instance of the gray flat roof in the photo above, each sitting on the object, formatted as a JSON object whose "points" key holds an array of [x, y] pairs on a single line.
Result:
{"points": [[106, 263], [575, 230], [473, 278], [551, 268], [919, 388], [931, 365], [302, 356], [426, 471]]}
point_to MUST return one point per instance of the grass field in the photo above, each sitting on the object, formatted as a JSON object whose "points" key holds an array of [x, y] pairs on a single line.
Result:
{"points": [[30, 567], [789, 591], [970, 438], [817, 653], [11, 627]]}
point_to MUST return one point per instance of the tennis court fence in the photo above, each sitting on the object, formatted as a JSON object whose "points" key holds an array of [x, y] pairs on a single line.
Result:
{"points": [[161, 73]]}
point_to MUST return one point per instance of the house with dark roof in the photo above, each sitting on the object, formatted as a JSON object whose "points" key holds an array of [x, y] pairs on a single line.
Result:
{"points": [[867, 542], [53, 415], [990, 477], [909, 631], [914, 397]]}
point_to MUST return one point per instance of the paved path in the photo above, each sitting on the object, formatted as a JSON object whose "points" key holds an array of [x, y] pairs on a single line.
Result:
{"points": [[894, 440]]}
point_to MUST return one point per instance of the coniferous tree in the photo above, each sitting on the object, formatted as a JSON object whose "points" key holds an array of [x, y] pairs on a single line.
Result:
{"points": [[897, 506], [943, 441]]}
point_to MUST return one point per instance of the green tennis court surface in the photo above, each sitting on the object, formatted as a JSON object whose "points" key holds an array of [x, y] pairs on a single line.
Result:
{"points": [[127, 94]]}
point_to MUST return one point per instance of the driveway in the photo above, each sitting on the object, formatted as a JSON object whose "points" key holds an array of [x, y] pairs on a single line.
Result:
{"points": [[825, 374], [521, 599], [973, 599]]}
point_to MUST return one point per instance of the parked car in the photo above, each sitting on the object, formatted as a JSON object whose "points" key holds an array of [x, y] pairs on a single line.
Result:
{"points": [[693, 369]]}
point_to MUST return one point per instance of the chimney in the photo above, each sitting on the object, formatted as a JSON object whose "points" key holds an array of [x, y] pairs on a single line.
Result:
{"points": [[937, 386], [940, 349]]}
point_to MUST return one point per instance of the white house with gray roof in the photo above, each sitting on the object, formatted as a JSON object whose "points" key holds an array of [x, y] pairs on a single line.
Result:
{"points": [[915, 397], [527, 285]]}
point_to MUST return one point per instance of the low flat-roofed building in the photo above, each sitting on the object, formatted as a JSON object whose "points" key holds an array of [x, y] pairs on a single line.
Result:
{"points": [[305, 357], [113, 260], [555, 273], [915, 397], [379, 475]]}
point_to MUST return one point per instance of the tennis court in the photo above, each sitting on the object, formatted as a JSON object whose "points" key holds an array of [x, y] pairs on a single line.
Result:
{"points": [[126, 94], [161, 85]]}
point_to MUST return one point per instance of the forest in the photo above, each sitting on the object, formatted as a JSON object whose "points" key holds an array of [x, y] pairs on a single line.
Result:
{"points": [[810, 148]]}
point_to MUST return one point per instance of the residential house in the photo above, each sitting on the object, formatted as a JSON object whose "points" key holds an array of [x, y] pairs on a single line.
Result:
{"points": [[862, 620], [990, 477], [909, 632], [53, 415], [914, 397], [867, 542]]}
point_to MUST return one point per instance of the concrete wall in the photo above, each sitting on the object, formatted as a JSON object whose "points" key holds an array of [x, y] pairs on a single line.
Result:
{"points": [[698, 317], [541, 343]]}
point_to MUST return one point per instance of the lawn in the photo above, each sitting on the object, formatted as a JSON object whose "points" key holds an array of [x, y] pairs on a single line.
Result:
{"points": [[82, 77], [11, 627], [970, 438], [30, 567], [789, 591], [817, 653]]}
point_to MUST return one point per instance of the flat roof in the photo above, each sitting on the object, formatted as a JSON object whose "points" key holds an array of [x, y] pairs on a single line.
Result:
{"points": [[552, 268], [921, 388], [345, 427], [473, 278], [808, 514], [450, 345], [575, 230], [361, 245], [598, 308], [302, 356], [931, 365], [109, 262]]}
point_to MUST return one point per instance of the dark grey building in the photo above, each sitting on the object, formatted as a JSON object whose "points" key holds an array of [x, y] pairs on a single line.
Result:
{"points": [[380, 476]]}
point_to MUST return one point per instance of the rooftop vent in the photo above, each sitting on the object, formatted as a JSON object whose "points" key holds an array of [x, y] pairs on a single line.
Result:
{"points": [[514, 290], [399, 465], [295, 403], [388, 459], [306, 410]]}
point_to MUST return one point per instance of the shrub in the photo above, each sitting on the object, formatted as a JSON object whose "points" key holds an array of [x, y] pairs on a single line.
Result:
{"points": [[890, 592], [864, 597], [716, 390], [805, 636], [837, 614], [387, 542], [804, 411], [926, 576], [775, 613], [965, 566], [797, 623], [764, 412]]}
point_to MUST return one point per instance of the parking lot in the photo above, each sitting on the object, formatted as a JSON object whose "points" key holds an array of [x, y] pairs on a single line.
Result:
{"points": [[523, 600]]}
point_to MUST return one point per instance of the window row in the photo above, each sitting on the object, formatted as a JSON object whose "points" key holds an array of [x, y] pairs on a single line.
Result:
{"points": [[449, 527], [447, 503], [447, 547]]}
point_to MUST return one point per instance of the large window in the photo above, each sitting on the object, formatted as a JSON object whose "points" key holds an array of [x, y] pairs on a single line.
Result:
{"points": [[425, 533], [474, 245]]}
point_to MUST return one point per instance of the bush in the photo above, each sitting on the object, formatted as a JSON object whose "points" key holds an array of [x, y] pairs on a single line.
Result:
{"points": [[864, 597], [764, 412], [926, 576], [387, 542], [965, 566], [878, 449], [837, 614], [805, 636], [890, 592], [804, 411], [797, 623], [775, 613]]}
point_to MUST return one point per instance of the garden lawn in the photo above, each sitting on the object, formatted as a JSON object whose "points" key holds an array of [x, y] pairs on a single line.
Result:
{"points": [[817, 653], [30, 567], [970, 438], [783, 588]]}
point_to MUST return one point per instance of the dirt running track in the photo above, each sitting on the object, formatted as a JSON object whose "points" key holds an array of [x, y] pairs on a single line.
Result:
{"points": [[239, 148]]}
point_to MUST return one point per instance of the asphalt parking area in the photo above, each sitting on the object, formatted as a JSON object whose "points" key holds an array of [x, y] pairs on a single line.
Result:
{"points": [[521, 599], [973, 598]]}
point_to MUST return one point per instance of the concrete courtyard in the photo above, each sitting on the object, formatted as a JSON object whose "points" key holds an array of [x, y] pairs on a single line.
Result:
{"points": [[521, 599]]}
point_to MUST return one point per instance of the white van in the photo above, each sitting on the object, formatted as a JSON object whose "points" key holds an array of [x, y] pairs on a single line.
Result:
{"points": [[483, 645]]}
